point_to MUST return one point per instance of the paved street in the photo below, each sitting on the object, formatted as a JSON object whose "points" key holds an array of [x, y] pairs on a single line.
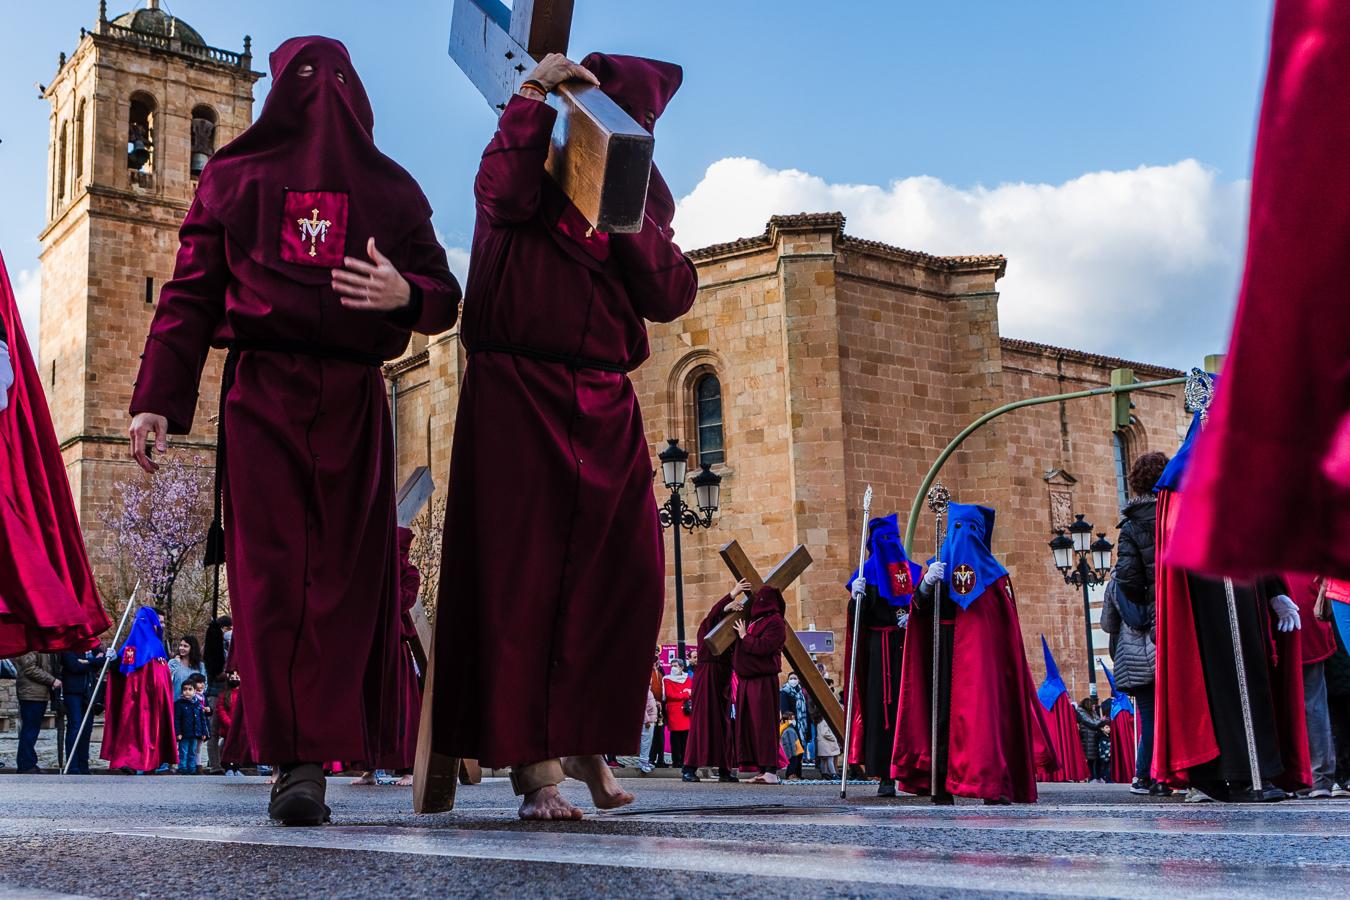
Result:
{"points": [[120, 836]]}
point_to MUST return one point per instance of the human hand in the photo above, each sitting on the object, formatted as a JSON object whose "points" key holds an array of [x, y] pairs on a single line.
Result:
{"points": [[937, 571], [859, 586], [374, 285], [556, 68], [142, 426], [56, 684], [739, 625], [1286, 611]]}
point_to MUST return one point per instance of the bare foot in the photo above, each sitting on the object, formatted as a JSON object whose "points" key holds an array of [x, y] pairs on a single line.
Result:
{"points": [[547, 804], [764, 778], [592, 770], [405, 781], [366, 778]]}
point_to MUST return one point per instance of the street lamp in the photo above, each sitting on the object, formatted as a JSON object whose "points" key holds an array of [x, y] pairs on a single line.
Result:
{"points": [[676, 514], [1084, 563]]}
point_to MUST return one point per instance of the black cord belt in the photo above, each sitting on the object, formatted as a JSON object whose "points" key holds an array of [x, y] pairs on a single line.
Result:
{"points": [[572, 362]]}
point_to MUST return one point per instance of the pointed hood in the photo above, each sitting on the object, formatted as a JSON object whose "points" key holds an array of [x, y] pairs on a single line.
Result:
{"points": [[971, 566], [1053, 687], [1120, 703], [641, 87], [888, 567], [144, 643]]}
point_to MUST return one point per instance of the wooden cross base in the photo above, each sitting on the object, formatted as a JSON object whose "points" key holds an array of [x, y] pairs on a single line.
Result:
{"points": [[723, 635]]}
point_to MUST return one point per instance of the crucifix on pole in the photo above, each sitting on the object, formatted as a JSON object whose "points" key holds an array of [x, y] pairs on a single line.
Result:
{"points": [[599, 156]]}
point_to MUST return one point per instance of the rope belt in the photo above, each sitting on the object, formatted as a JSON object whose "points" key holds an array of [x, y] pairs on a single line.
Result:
{"points": [[572, 362], [215, 535]]}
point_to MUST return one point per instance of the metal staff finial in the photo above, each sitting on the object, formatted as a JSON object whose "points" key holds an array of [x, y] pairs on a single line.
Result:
{"points": [[939, 498], [1200, 392]]}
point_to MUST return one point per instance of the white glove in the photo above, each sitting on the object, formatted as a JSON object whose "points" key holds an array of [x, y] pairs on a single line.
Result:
{"points": [[859, 586], [6, 376], [1286, 611], [902, 620], [936, 572]]}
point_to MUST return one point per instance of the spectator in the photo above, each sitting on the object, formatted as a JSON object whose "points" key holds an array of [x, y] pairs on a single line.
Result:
{"points": [[649, 718], [1129, 611], [789, 738], [79, 671], [658, 752], [36, 684], [678, 689], [827, 744], [223, 718], [190, 725], [1090, 727], [215, 655], [794, 698], [187, 663]]}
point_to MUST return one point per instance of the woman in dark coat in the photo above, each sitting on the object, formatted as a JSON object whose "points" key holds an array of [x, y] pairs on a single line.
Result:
{"points": [[1091, 726], [757, 661]]}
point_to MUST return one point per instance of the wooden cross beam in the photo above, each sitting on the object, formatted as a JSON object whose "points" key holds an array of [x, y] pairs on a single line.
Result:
{"points": [[599, 156], [723, 635]]}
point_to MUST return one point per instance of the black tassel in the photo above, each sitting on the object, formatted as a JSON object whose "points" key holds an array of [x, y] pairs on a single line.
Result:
{"points": [[215, 545]]}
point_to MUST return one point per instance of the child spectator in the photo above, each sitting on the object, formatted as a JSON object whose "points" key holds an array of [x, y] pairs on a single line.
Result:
{"points": [[225, 704], [190, 727], [790, 740]]}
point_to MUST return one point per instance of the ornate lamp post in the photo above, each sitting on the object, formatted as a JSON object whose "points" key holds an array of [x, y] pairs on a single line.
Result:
{"points": [[1084, 563], [676, 514]]}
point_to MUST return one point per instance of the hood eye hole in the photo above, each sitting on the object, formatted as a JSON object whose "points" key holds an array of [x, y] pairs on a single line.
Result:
{"points": [[341, 77], [305, 71]]}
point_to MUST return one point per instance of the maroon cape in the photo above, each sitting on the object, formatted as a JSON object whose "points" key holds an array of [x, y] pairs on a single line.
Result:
{"points": [[1184, 729], [1122, 748], [309, 482], [998, 738], [1062, 728], [1276, 498], [708, 731], [138, 723], [757, 659], [48, 601], [408, 687], [542, 612]]}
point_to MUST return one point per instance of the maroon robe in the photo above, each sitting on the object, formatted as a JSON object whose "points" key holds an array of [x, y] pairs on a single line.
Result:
{"points": [[48, 601], [553, 579], [1270, 490], [309, 480], [1062, 731], [998, 736], [708, 732], [757, 659]]}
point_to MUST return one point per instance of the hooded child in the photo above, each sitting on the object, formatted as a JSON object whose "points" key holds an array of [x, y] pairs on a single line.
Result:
{"points": [[310, 255], [544, 614], [1123, 749], [710, 720], [888, 579], [992, 737], [1061, 724], [757, 659], [138, 730], [48, 601]]}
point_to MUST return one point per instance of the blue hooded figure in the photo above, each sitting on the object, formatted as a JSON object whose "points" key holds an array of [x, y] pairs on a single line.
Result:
{"points": [[144, 641], [1053, 687], [888, 567], [1120, 703], [971, 566]]}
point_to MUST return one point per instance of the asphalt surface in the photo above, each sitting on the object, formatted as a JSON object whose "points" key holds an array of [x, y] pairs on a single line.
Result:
{"points": [[151, 836]]}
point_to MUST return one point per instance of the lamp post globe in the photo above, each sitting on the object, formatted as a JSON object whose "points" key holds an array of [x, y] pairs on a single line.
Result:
{"points": [[1061, 545], [1081, 532], [707, 490], [1101, 555], [674, 464]]}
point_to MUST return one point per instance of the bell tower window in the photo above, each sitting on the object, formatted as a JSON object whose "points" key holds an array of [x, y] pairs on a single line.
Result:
{"points": [[203, 138], [79, 144], [141, 134], [708, 415], [62, 146]]}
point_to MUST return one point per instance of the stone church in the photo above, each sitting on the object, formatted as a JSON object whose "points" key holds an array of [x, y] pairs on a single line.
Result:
{"points": [[814, 362]]}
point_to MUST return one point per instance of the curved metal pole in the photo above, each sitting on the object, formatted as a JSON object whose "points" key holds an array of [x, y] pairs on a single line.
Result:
{"points": [[979, 423]]}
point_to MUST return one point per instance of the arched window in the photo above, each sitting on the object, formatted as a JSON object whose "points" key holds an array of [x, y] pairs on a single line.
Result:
{"points": [[708, 419], [141, 134], [61, 147], [79, 144], [1126, 446], [203, 137]]}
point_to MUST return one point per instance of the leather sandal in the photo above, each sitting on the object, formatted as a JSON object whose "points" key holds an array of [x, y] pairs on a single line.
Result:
{"points": [[298, 795]]}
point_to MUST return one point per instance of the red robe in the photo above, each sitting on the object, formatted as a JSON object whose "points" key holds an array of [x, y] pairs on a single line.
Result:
{"points": [[1276, 497], [138, 724], [553, 578], [1122, 748], [1062, 730], [309, 484], [998, 738], [408, 687], [757, 659], [1184, 728], [48, 601], [708, 732]]}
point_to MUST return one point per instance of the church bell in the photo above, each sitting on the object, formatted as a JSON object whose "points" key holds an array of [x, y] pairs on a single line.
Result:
{"points": [[138, 154]]}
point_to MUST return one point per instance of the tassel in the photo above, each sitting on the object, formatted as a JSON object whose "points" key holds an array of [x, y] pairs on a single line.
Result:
{"points": [[214, 554]]}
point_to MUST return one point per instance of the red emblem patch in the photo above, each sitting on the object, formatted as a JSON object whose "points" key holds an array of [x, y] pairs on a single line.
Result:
{"points": [[963, 579], [129, 656], [900, 580], [314, 228]]}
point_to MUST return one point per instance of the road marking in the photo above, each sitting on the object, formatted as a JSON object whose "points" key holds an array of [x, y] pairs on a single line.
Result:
{"points": [[1044, 875]]}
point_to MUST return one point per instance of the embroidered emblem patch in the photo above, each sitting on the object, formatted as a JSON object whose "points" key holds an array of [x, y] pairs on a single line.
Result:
{"points": [[900, 580], [963, 579], [129, 656], [314, 228]]}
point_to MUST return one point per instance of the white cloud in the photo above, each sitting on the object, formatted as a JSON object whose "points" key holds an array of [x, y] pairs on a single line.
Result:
{"points": [[28, 295], [1140, 263]]}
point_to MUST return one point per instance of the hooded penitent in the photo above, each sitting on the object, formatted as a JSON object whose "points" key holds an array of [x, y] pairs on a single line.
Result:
{"points": [[757, 660], [708, 727], [990, 756], [48, 601], [891, 579], [308, 482], [1123, 747], [138, 725], [554, 318], [1061, 724], [1199, 735], [1271, 492]]}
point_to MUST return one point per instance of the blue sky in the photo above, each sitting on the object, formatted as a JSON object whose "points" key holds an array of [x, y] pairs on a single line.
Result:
{"points": [[1103, 146]]}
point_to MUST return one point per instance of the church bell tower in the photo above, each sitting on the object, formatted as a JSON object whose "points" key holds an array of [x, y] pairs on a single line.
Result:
{"points": [[136, 111]]}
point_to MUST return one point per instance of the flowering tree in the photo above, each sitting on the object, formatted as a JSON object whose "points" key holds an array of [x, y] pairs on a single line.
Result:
{"points": [[160, 524], [426, 552]]}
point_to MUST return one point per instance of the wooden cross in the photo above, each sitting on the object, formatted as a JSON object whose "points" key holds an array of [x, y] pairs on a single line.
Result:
{"points": [[599, 156], [723, 634]]}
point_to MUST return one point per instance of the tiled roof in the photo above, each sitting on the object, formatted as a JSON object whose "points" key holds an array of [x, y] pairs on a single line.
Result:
{"points": [[1091, 358], [834, 221]]}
